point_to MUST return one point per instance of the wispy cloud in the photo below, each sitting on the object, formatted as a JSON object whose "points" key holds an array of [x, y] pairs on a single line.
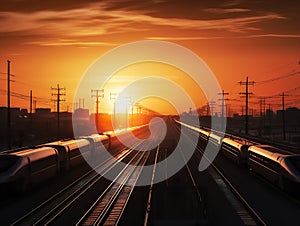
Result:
{"points": [[71, 43], [223, 11], [228, 24], [169, 38], [94, 20], [189, 38], [274, 36]]}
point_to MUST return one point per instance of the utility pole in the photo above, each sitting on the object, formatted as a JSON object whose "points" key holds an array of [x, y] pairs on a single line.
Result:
{"points": [[30, 108], [132, 104], [8, 107], [141, 116], [98, 93], [113, 97], [79, 102], [260, 107], [128, 101], [57, 93], [264, 112], [283, 116], [138, 114], [75, 106], [247, 83], [260, 120], [211, 105], [223, 94]]}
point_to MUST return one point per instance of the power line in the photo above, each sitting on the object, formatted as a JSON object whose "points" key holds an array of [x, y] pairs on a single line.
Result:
{"points": [[211, 106], [278, 78], [57, 92], [223, 94], [8, 107], [287, 91], [283, 116], [24, 96], [98, 93], [5, 73], [113, 97], [246, 84]]}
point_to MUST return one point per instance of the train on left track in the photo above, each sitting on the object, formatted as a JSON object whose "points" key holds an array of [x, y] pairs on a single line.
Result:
{"points": [[22, 168]]}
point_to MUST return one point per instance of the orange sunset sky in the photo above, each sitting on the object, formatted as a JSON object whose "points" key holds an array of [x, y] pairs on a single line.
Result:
{"points": [[54, 42]]}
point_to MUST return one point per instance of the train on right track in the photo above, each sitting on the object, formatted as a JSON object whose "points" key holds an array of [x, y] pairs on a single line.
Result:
{"points": [[278, 166]]}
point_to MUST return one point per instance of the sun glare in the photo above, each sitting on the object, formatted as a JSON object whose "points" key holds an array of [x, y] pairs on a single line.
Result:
{"points": [[135, 73]]}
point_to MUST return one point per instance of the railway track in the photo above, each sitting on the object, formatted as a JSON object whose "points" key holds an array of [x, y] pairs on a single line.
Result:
{"points": [[148, 208], [194, 182], [195, 186], [245, 211], [53, 207], [177, 199], [109, 207]]}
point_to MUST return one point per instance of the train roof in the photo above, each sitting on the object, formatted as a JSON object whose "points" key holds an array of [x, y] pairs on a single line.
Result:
{"points": [[215, 136], [33, 151], [236, 142], [274, 149], [205, 132], [97, 137], [67, 142], [269, 151], [18, 149]]}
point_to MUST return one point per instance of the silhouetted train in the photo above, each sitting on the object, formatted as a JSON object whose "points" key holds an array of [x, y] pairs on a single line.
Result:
{"points": [[24, 167], [277, 166]]}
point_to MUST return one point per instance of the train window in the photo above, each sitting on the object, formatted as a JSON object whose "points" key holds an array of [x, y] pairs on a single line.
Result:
{"points": [[7, 161], [74, 152], [296, 162], [43, 163]]}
